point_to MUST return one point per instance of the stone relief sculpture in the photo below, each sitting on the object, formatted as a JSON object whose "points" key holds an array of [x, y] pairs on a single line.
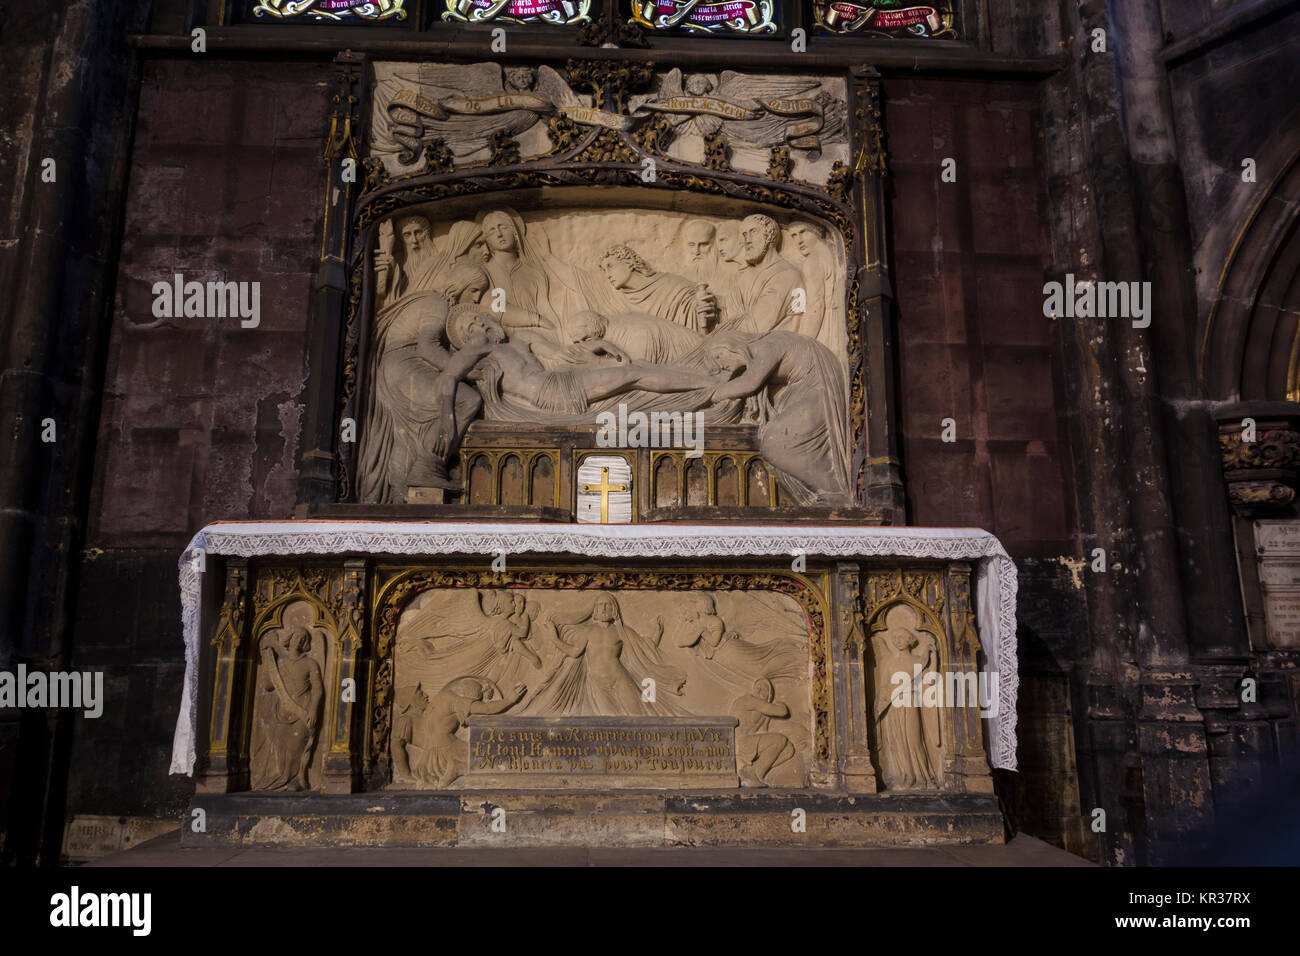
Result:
{"points": [[604, 667], [485, 319], [597, 653], [806, 251], [752, 109], [802, 431], [765, 757], [907, 730], [425, 748], [286, 711], [464, 105]]}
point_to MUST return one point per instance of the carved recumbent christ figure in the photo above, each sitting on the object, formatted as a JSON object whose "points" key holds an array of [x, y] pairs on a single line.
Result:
{"points": [[486, 321], [570, 653]]}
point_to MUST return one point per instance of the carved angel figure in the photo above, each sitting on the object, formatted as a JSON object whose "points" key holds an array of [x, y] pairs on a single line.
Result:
{"points": [[751, 109], [463, 105]]}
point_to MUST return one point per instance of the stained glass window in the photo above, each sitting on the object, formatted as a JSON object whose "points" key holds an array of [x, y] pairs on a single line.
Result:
{"points": [[308, 10], [891, 18], [756, 17], [518, 11]]}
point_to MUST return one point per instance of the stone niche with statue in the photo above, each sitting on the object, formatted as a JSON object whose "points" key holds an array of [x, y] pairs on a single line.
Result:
{"points": [[604, 295]]}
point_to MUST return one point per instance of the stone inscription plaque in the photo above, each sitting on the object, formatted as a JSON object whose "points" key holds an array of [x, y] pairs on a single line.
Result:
{"points": [[602, 752], [1278, 545]]}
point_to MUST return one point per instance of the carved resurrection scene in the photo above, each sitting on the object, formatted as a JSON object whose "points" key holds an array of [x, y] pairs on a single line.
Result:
{"points": [[552, 317], [583, 654]]}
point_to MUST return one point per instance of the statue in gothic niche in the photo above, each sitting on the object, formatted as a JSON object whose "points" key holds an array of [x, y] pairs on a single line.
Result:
{"points": [[286, 711], [484, 319], [425, 748], [907, 730]]}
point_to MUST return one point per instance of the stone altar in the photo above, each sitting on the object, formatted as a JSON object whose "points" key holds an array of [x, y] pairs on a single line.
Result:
{"points": [[535, 254]]}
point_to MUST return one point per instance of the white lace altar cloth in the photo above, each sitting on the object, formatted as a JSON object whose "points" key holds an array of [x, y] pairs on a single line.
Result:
{"points": [[995, 573]]}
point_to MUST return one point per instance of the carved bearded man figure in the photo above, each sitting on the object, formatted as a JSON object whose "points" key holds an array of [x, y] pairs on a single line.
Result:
{"points": [[768, 284]]}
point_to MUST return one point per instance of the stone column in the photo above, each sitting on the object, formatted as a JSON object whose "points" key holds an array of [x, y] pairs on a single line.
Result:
{"points": [[848, 646], [329, 301], [877, 467], [342, 771], [965, 761], [224, 768]]}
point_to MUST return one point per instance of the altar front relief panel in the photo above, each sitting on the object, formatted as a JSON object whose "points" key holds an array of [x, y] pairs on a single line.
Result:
{"points": [[358, 677]]}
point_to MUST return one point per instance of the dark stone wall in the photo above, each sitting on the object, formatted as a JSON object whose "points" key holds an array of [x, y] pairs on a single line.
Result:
{"points": [[969, 259], [201, 417], [974, 346]]}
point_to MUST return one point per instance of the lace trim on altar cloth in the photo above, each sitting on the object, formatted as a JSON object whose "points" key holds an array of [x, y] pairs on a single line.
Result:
{"points": [[995, 574]]}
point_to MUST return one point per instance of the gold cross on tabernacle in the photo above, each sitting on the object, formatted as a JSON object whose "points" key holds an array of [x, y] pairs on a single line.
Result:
{"points": [[604, 488]]}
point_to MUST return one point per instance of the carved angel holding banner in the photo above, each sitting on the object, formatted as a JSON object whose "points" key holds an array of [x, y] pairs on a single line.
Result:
{"points": [[751, 109], [464, 105]]}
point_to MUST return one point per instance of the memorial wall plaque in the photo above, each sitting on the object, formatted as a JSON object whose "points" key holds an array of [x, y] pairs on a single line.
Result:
{"points": [[1277, 544], [602, 752]]}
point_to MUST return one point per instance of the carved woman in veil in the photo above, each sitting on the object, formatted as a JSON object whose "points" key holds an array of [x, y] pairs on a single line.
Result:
{"points": [[603, 666], [407, 437], [520, 263], [907, 730]]}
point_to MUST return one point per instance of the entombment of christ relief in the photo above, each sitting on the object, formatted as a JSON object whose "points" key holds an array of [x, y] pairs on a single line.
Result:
{"points": [[739, 661], [528, 320]]}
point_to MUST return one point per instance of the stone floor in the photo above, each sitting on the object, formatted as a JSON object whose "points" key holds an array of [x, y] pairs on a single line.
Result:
{"points": [[166, 851]]}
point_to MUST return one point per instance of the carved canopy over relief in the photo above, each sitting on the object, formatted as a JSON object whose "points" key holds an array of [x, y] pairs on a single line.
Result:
{"points": [[466, 653]]}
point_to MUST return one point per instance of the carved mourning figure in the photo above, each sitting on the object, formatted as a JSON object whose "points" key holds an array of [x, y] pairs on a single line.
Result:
{"points": [[764, 757], [420, 404], [803, 433], [668, 296], [907, 729], [425, 733], [286, 711], [631, 337], [809, 255], [698, 236], [767, 284]]}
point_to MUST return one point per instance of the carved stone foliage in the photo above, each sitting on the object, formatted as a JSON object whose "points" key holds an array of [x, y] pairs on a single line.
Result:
{"points": [[1261, 461], [521, 318], [571, 644]]}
